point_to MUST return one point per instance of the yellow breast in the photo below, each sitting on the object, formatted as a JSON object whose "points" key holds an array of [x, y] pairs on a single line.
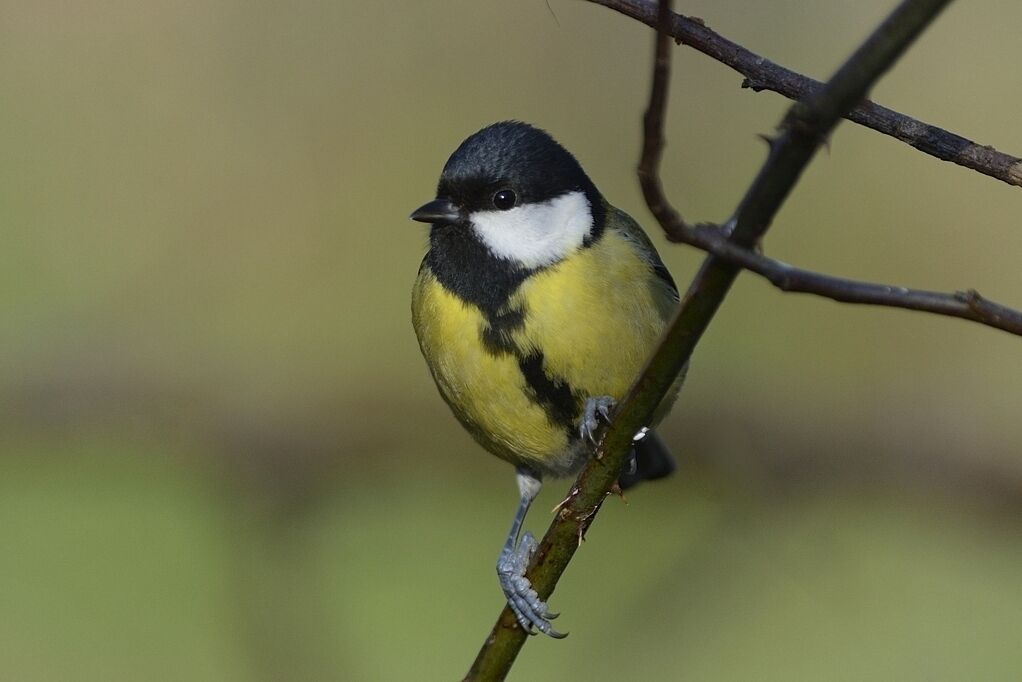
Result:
{"points": [[595, 316], [486, 390]]}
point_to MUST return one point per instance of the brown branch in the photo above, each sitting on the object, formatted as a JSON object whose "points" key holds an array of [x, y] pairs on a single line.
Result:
{"points": [[762, 74], [803, 129], [653, 126], [967, 305]]}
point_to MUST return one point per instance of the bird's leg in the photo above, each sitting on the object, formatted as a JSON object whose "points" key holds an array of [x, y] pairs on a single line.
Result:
{"points": [[530, 610], [594, 410]]}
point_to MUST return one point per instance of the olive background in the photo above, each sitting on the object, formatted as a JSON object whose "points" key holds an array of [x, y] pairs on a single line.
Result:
{"points": [[222, 457]]}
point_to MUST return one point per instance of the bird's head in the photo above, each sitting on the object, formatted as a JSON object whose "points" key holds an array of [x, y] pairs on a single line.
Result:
{"points": [[519, 193]]}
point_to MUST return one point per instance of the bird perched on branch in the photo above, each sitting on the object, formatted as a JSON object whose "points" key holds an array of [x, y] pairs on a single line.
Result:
{"points": [[535, 307]]}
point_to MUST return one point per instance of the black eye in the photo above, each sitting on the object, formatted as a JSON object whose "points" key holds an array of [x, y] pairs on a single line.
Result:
{"points": [[505, 199]]}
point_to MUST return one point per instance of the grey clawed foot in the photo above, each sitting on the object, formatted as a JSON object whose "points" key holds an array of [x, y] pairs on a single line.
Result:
{"points": [[531, 611], [595, 410]]}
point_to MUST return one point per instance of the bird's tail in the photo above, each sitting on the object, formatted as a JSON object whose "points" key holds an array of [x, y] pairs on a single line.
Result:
{"points": [[652, 461]]}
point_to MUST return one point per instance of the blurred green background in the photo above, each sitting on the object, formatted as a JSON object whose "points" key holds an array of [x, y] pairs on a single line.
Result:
{"points": [[222, 458]]}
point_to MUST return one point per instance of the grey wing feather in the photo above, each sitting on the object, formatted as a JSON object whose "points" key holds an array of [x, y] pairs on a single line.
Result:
{"points": [[624, 224]]}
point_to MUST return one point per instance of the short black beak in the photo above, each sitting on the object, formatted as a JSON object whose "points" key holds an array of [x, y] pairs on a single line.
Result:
{"points": [[440, 210]]}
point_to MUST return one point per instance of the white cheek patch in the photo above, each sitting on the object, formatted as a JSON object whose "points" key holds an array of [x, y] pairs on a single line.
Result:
{"points": [[536, 234]]}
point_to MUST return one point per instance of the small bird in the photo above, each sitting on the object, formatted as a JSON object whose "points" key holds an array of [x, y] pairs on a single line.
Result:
{"points": [[535, 308]]}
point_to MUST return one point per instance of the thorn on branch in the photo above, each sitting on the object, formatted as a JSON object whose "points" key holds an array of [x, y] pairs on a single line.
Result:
{"points": [[585, 519]]}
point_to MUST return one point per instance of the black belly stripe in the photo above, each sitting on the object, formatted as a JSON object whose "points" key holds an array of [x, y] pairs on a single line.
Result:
{"points": [[555, 395], [496, 337]]}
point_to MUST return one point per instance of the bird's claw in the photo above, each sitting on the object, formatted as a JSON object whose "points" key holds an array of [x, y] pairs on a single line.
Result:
{"points": [[531, 611], [595, 409]]}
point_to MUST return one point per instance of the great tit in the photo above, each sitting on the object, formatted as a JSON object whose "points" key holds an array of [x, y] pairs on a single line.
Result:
{"points": [[535, 307]]}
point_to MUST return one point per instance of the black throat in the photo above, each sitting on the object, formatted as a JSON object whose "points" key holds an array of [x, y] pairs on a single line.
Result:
{"points": [[466, 268]]}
